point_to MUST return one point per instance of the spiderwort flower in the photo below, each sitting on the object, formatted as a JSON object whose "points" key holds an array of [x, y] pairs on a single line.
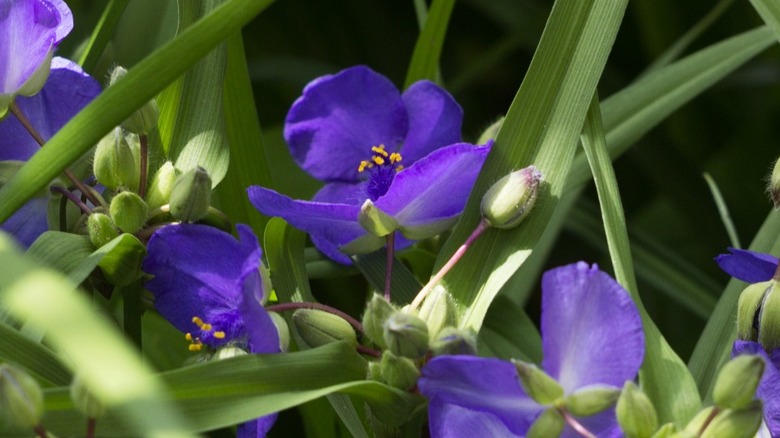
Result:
{"points": [[769, 387], [748, 266], [30, 30], [208, 285], [592, 338], [68, 90], [368, 142]]}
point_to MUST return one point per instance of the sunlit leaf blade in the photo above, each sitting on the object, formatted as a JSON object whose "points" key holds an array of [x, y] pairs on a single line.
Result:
{"points": [[509, 333], [427, 51]]}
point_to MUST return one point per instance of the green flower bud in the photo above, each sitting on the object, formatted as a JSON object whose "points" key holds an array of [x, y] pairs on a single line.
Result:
{"points": [[319, 328], [128, 211], [511, 198], [736, 423], [406, 335], [591, 400], [491, 132], [696, 423], [376, 221], [228, 352], [375, 371], [737, 382], [749, 303], [114, 165], [549, 424], [378, 311], [438, 311], [452, 340], [399, 372], [542, 388], [144, 119], [774, 185], [84, 400], [191, 195], [101, 229], [159, 192], [635, 412], [769, 320], [21, 398], [282, 329], [668, 430]]}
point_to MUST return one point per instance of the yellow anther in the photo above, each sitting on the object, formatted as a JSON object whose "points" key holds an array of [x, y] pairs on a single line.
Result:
{"points": [[205, 327], [399, 168], [197, 321], [380, 150], [219, 335], [188, 336], [378, 160], [365, 164], [195, 347], [395, 157]]}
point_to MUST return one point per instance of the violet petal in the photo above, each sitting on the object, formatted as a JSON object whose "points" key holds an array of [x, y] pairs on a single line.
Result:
{"points": [[434, 120], [748, 266]]}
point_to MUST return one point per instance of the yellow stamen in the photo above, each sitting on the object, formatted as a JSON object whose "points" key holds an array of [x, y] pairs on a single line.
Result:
{"points": [[399, 168], [219, 335], [206, 327], [188, 336], [195, 347], [378, 160], [365, 164], [379, 150], [395, 157], [197, 321]]}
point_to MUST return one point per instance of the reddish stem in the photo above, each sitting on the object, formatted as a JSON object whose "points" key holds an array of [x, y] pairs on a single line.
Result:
{"points": [[579, 428], [91, 424]]}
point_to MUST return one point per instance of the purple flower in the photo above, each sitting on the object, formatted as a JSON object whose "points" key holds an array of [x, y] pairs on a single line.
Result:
{"points": [[66, 92], [208, 285], [769, 387], [748, 266], [591, 336], [30, 30], [356, 132]]}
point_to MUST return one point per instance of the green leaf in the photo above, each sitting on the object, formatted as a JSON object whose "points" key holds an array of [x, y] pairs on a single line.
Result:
{"points": [[115, 104], [122, 262], [404, 286], [61, 251], [427, 50], [508, 333], [36, 358], [769, 10], [102, 34]]}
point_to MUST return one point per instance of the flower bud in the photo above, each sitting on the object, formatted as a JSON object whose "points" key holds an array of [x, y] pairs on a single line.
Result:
{"points": [[737, 382], [736, 423], [319, 328], [696, 423], [591, 400], [406, 335], [438, 311], [491, 132], [21, 398], [84, 400], [511, 198], [144, 119], [774, 185], [128, 211], [159, 192], [399, 372], [378, 311], [282, 329], [542, 388], [376, 221], [749, 303], [668, 430], [191, 195], [114, 164], [101, 229], [228, 352], [635, 412], [769, 319], [452, 341], [550, 423]]}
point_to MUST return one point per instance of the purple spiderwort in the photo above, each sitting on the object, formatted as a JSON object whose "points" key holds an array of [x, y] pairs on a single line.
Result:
{"points": [[769, 388], [30, 30], [67, 91], [591, 336], [748, 266], [214, 293], [367, 141]]}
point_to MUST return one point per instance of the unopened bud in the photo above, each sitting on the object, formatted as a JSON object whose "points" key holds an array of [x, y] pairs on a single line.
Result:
{"points": [[550, 423], [591, 400], [84, 400], [668, 430], [159, 192], [406, 335], [319, 328], [281, 329], [774, 185], [635, 412], [453, 341], [769, 319], [144, 119], [376, 221], [21, 398], [542, 388], [438, 311], [378, 311], [491, 132], [736, 423], [737, 381], [114, 165], [191, 195], [511, 198], [399, 372], [128, 211], [749, 303], [698, 420], [101, 229]]}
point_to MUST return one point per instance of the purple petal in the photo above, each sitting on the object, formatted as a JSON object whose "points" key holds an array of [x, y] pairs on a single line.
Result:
{"points": [[262, 335], [28, 222], [333, 125], [434, 120], [208, 283], [256, 428], [748, 266], [453, 421], [769, 388], [591, 329], [426, 197], [66, 92], [29, 31], [603, 425], [480, 385], [341, 193]]}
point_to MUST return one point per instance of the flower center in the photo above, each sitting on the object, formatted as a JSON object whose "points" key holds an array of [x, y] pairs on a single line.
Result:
{"points": [[207, 331], [381, 169]]}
